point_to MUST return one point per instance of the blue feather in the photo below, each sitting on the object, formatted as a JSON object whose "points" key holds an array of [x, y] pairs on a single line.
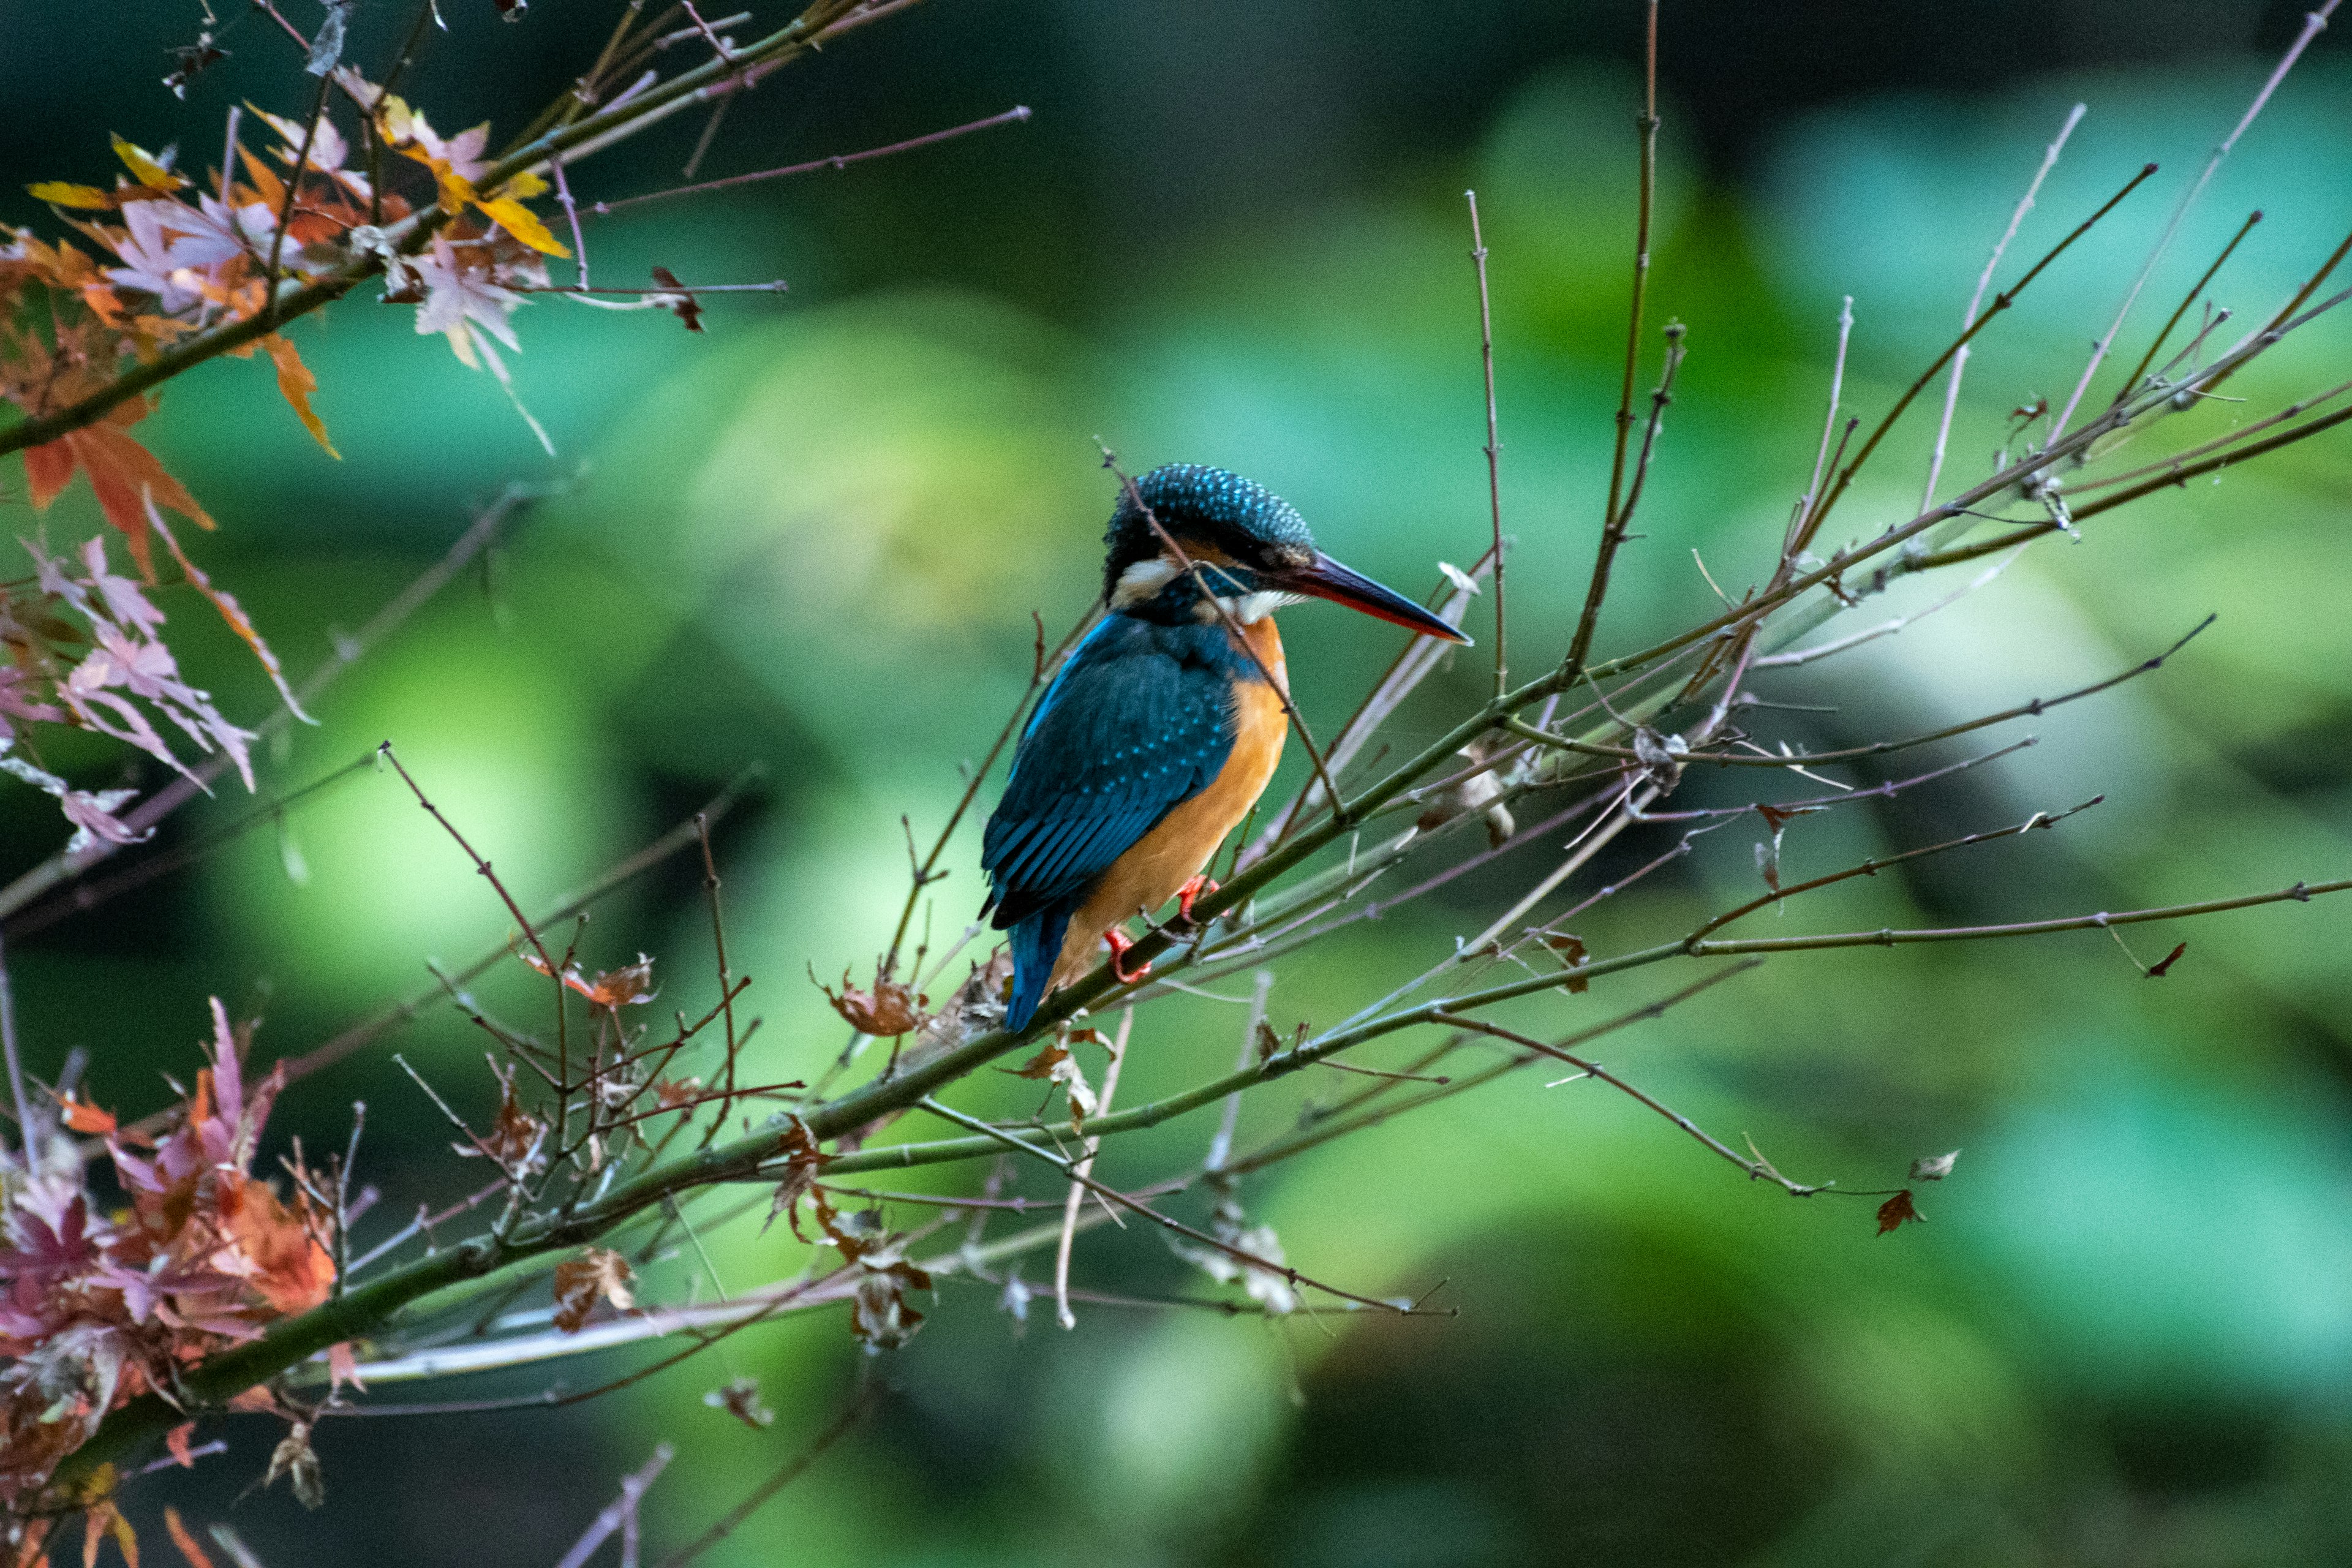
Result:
{"points": [[1037, 943]]}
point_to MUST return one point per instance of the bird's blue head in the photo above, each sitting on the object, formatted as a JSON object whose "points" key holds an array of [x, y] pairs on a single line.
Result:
{"points": [[1244, 544]]}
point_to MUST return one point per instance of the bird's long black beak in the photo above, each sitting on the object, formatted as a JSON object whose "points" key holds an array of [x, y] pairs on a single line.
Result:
{"points": [[1327, 579]]}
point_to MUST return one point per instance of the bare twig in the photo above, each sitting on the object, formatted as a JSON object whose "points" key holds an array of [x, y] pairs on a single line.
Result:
{"points": [[1612, 530], [2312, 25], [621, 1513], [726, 978], [1084, 1168], [26, 1131], [1012, 116], [1494, 441], [2156, 345], [1984, 282]]}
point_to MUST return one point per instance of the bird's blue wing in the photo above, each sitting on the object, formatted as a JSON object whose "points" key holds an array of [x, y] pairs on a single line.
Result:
{"points": [[1139, 719]]}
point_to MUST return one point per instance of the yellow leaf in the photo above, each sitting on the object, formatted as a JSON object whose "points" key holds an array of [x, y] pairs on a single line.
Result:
{"points": [[66, 195], [523, 224], [396, 119], [456, 192], [144, 168], [296, 384], [526, 185]]}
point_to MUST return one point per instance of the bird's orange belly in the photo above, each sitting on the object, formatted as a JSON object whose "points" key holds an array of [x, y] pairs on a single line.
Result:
{"points": [[1179, 846]]}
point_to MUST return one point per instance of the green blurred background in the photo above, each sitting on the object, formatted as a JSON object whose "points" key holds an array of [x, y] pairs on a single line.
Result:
{"points": [[1233, 233]]}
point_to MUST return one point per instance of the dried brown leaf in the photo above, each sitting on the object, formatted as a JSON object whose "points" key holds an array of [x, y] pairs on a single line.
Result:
{"points": [[891, 1008], [740, 1399], [597, 1274], [802, 1160], [296, 1459], [1041, 1066], [1573, 954], [1896, 1210]]}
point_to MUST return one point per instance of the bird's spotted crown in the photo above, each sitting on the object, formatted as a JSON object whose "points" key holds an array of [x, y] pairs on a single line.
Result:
{"points": [[1205, 506]]}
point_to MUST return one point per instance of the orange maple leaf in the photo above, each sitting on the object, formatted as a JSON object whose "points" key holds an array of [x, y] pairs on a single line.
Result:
{"points": [[121, 472], [292, 1272], [296, 384]]}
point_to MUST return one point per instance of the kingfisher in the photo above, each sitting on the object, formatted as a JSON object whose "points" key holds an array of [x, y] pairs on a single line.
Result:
{"points": [[1163, 726]]}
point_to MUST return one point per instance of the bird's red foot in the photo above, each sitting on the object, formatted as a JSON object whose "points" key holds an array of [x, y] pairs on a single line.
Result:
{"points": [[1190, 890], [1119, 942]]}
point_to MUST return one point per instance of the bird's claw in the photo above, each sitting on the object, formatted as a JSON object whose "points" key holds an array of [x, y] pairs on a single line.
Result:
{"points": [[1119, 942], [1199, 886]]}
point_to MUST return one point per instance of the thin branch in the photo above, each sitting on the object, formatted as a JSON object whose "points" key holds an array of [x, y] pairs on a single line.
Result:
{"points": [[88, 895], [1984, 282], [1083, 1169], [621, 1511], [1757, 1170], [2000, 303], [1829, 423], [1494, 441], [2196, 289], [25, 1132], [1016, 115], [1613, 533], [2312, 24], [1871, 866], [1660, 396], [2033, 709], [1069, 1168], [726, 978]]}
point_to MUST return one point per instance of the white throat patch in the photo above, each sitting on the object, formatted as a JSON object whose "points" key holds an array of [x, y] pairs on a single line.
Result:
{"points": [[1248, 608], [1142, 580]]}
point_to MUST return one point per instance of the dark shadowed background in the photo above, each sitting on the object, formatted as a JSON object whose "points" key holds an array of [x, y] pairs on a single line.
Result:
{"points": [[1232, 233]]}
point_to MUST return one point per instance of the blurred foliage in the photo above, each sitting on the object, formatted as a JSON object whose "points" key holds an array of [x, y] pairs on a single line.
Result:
{"points": [[813, 541]]}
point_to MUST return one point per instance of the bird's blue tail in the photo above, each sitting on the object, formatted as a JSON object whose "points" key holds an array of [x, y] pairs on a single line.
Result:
{"points": [[1036, 946]]}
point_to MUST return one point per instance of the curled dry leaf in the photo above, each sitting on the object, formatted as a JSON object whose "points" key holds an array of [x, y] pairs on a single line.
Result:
{"points": [[1896, 1210], [675, 298], [597, 1274], [1055, 1064], [891, 1008], [740, 1399], [517, 1141], [879, 1317], [802, 1160], [1041, 1066], [295, 1459], [1933, 1167], [1573, 953], [632, 984]]}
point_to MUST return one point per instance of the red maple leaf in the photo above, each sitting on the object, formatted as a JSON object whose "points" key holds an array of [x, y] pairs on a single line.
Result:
{"points": [[121, 472]]}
